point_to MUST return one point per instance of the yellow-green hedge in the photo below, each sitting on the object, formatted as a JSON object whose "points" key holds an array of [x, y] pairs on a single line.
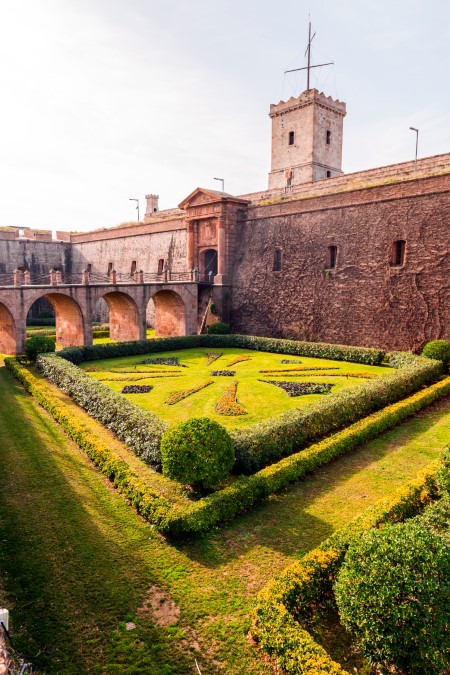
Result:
{"points": [[292, 598], [182, 516]]}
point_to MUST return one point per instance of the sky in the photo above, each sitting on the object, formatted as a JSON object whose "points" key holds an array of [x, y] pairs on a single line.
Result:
{"points": [[107, 100]]}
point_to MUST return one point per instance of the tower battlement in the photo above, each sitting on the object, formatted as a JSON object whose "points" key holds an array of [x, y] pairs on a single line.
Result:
{"points": [[306, 139]]}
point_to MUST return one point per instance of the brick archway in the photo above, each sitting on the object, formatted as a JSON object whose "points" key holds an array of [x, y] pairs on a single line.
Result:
{"points": [[123, 316], [69, 319], [170, 314], [7, 331]]}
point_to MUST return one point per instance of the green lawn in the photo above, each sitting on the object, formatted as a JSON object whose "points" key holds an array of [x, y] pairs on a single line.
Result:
{"points": [[261, 400], [76, 562]]}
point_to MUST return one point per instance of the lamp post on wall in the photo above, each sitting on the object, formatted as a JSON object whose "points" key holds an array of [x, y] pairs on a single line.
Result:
{"points": [[137, 207], [417, 144], [223, 183]]}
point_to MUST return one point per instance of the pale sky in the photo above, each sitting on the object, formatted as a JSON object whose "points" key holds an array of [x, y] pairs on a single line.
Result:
{"points": [[103, 100]]}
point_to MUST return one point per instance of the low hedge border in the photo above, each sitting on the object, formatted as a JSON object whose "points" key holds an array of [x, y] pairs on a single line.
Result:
{"points": [[184, 516], [262, 444], [140, 429], [50, 332], [307, 584], [365, 355]]}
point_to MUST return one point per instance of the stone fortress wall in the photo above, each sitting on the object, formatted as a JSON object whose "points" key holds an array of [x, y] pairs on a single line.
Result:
{"points": [[362, 258]]}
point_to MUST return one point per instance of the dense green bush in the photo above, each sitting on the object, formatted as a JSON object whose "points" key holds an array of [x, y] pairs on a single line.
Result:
{"points": [[219, 328], [140, 429], [438, 350], [38, 344], [436, 517], [198, 452], [393, 595]]}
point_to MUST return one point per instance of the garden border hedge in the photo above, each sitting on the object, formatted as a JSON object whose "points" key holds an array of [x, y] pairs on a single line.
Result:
{"points": [[182, 516], [304, 585], [266, 442]]}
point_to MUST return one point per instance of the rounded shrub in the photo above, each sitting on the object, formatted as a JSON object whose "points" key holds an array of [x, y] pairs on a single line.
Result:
{"points": [[38, 344], [438, 350], [198, 452], [219, 328], [392, 594]]}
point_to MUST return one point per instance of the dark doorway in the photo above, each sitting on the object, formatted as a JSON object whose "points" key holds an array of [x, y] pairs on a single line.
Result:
{"points": [[210, 262]]}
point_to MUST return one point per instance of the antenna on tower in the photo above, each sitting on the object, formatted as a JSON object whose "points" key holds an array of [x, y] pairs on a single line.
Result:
{"points": [[309, 66]]}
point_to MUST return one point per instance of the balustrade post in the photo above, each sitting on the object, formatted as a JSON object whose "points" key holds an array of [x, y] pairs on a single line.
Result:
{"points": [[139, 277], [52, 277], [58, 277], [27, 278], [85, 277], [17, 274], [165, 275], [113, 277]]}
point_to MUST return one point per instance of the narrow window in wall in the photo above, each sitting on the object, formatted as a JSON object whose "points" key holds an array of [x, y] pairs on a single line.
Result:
{"points": [[331, 257], [328, 137], [398, 253], [160, 265], [277, 260], [133, 267], [89, 267], [328, 174], [291, 138], [110, 268]]}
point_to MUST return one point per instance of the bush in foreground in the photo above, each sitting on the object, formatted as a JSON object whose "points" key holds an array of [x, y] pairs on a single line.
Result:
{"points": [[38, 344], [438, 350], [219, 328], [392, 594], [198, 452]]}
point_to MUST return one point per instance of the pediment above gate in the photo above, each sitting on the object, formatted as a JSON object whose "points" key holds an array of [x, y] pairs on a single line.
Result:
{"points": [[201, 196]]}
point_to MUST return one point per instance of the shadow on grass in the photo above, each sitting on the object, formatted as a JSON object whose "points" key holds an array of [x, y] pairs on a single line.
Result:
{"points": [[70, 568]]}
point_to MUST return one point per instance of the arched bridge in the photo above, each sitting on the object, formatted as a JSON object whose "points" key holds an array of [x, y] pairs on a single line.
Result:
{"points": [[175, 302]]}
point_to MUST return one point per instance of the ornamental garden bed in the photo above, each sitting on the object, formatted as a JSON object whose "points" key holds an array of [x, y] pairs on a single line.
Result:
{"points": [[259, 445]]}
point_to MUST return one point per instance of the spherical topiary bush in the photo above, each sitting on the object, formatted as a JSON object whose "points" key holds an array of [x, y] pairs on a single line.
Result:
{"points": [[393, 595], [38, 344], [219, 328], [198, 452], [439, 350]]}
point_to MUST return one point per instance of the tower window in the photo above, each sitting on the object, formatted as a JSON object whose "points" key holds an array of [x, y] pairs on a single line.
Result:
{"points": [[110, 268], [277, 260], [328, 137], [291, 138], [328, 174], [160, 265], [398, 253], [133, 267], [331, 257]]}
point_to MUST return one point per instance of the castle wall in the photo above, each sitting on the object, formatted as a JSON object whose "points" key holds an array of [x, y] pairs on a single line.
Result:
{"points": [[39, 257], [364, 300]]}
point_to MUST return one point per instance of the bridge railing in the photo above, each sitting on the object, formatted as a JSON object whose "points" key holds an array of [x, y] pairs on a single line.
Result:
{"points": [[57, 277]]}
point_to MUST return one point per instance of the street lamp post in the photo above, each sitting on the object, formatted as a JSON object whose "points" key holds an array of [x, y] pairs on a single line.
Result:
{"points": [[223, 183], [417, 145], [132, 199]]}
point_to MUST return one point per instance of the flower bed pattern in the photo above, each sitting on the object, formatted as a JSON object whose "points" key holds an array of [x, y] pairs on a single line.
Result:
{"points": [[176, 396], [301, 388], [290, 361], [137, 389], [297, 369], [341, 373], [212, 356], [227, 403], [222, 373], [238, 359], [162, 361], [134, 378]]}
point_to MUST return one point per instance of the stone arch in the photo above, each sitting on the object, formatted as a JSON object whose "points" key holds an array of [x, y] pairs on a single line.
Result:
{"points": [[69, 319], [8, 338], [170, 314], [124, 321]]}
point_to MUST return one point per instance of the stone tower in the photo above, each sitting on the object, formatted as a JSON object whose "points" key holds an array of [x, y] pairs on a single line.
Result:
{"points": [[306, 139]]}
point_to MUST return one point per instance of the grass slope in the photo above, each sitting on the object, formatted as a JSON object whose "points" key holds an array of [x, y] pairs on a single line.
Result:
{"points": [[77, 562]]}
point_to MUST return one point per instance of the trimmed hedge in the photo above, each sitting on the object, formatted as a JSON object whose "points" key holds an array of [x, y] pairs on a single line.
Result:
{"points": [[140, 429], [184, 516], [307, 584], [50, 332], [321, 350]]}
